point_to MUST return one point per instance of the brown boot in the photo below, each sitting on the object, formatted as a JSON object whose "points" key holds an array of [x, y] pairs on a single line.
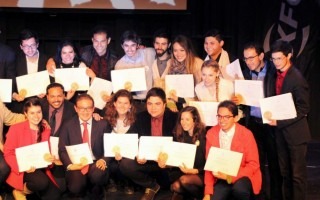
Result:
{"points": [[150, 193]]}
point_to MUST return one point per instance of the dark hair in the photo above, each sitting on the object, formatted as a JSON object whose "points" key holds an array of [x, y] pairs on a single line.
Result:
{"points": [[254, 45], [54, 85], [100, 29], [84, 96], [231, 106], [214, 33], [157, 92], [63, 43], [111, 114], [27, 34], [161, 33], [198, 129], [35, 102], [130, 35], [281, 46]]}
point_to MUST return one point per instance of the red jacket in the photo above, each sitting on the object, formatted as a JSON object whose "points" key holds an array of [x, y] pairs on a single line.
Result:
{"points": [[243, 142], [19, 135]]}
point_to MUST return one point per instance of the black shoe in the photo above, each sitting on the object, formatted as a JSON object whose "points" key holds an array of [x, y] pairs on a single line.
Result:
{"points": [[112, 186], [129, 190], [150, 192]]}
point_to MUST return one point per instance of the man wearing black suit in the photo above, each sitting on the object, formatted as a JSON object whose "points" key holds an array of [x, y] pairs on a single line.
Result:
{"points": [[80, 176], [7, 59], [156, 121], [292, 135]]}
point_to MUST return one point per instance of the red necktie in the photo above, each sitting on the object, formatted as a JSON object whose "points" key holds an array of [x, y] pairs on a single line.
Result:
{"points": [[85, 139]]}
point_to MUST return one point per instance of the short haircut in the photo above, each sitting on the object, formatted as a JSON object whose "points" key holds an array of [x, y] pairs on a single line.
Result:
{"points": [[214, 33], [84, 96], [27, 34], [281, 46], [231, 106], [157, 92], [54, 85], [130, 35], [161, 33], [100, 29], [254, 45]]}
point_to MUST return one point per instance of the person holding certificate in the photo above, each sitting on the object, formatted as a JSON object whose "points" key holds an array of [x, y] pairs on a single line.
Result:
{"points": [[84, 129], [229, 135], [121, 115], [23, 134], [213, 86]]}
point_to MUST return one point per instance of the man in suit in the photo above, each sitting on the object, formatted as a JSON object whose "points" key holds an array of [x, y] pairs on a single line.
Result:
{"points": [[157, 120], [7, 59], [82, 128], [293, 134]]}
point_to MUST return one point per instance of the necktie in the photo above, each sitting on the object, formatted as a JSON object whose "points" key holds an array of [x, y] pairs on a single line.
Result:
{"points": [[53, 121], [85, 139]]}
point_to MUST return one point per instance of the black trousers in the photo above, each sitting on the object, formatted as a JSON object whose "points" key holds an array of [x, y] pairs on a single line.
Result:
{"points": [[4, 169]]}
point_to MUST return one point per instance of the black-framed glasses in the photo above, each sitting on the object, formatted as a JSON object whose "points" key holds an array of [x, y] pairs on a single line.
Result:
{"points": [[277, 59], [249, 58], [224, 117]]}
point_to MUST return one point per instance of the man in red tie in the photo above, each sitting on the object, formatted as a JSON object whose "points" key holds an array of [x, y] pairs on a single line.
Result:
{"points": [[84, 129]]}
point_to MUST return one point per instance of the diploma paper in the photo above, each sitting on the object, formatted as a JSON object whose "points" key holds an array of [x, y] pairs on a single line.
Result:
{"points": [[207, 111], [79, 151], [136, 77], [34, 84], [251, 91], [180, 153], [280, 107], [54, 141], [32, 156], [222, 160], [6, 90], [127, 144], [182, 84], [98, 88], [233, 71], [70, 76], [151, 146]]}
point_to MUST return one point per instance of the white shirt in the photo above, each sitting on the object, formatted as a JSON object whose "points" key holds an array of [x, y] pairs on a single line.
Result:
{"points": [[225, 138]]}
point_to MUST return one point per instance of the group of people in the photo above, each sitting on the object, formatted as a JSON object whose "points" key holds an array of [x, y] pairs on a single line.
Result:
{"points": [[72, 116]]}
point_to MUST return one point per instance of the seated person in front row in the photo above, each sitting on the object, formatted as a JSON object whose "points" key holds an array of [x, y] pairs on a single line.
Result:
{"points": [[84, 129], [232, 136]]}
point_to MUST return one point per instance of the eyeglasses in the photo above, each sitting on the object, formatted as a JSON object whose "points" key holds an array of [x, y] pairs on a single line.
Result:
{"points": [[249, 58], [277, 59], [32, 46], [89, 109], [226, 117]]}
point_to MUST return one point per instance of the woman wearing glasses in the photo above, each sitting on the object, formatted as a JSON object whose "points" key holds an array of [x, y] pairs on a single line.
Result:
{"points": [[229, 135]]}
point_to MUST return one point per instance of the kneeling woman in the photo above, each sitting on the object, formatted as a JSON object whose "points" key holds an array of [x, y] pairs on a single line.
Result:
{"points": [[23, 134]]}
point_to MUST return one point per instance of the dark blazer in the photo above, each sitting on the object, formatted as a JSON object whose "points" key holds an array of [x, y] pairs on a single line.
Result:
{"points": [[296, 130], [7, 59], [70, 134], [68, 112], [143, 123]]}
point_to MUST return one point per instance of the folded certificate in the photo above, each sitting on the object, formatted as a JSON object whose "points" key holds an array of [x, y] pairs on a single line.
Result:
{"points": [[54, 141], [72, 78], [33, 84], [232, 71], [98, 90], [278, 107], [6, 90], [181, 85], [79, 153], [125, 144], [207, 111], [151, 146], [249, 91], [177, 155], [222, 160], [133, 79], [32, 156]]}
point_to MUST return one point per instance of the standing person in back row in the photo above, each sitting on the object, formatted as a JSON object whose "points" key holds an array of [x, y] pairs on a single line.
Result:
{"points": [[292, 135]]}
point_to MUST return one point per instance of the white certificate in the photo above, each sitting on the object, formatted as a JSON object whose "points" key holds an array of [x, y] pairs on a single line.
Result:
{"points": [[54, 141], [182, 85], [250, 91], [278, 107], [233, 71], [34, 84], [180, 153], [6, 90], [151, 146], [133, 79], [222, 160], [75, 78], [32, 156], [207, 111], [99, 87], [79, 152], [125, 144]]}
